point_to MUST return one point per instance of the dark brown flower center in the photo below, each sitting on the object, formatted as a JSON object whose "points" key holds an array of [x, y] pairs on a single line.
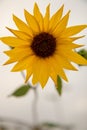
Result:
{"points": [[44, 45]]}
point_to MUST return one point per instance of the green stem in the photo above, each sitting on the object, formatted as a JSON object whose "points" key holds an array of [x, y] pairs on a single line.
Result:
{"points": [[34, 104], [34, 107]]}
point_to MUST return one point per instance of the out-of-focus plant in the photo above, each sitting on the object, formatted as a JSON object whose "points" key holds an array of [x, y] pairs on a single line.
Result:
{"points": [[83, 52]]}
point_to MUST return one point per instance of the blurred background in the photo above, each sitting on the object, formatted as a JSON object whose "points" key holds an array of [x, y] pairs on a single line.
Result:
{"points": [[68, 109]]}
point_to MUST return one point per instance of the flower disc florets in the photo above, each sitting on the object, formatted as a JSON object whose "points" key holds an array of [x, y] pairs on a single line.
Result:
{"points": [[44, 45]]}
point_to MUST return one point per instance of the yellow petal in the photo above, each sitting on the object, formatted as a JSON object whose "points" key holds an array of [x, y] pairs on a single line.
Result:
{"points": [[41, 72], [64, 62], [9, 61], [53, 76], [61, 73], [32, 22], [24, 64], [68, 46], [28, 74], [35, 79], [63, 41], [76, 38], [38, 16], [68, 41], [13, 41], [19, 53], [20, 34], [70, 31], [55, 19], [22, 26], [74, 57], [46, 18], [56, 67], [61, 25]]}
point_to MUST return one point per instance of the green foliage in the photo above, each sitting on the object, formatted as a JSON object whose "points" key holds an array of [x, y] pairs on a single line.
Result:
{"points": [[83, 53], [21, 91], [59, 85], [49, 124]]}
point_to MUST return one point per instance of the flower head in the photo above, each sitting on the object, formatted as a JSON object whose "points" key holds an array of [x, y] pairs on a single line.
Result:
{"points": [[44, 46]]}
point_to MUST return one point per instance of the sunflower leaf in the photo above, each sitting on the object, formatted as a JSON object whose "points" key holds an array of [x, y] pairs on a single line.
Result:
{"points": [[59, 85], [21, 91], [83, 53]]}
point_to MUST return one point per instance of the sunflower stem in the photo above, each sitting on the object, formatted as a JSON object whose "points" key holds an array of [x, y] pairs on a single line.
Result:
{"points": [[34, 104], [22, 74], [34, 108]]}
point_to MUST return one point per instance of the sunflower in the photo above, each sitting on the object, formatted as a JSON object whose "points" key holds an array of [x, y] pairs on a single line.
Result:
{"points": [[44, 46]]}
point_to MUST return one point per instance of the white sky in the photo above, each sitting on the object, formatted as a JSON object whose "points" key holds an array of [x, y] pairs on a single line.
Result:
{"points": [[71, 107]]}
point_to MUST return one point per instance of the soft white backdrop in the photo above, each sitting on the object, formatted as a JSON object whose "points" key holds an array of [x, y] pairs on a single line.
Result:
{"points": [[71, 107]]}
